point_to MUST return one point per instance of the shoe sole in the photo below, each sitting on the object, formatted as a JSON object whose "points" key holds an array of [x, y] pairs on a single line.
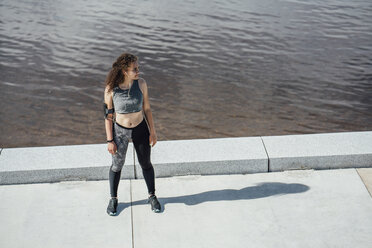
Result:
{"points": [[111, 213]]}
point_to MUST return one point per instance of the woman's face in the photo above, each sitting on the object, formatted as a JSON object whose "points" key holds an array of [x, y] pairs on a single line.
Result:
{"points": [[133, 71]]}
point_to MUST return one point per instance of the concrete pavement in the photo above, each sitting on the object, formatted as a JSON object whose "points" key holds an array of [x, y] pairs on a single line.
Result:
{"points": [[298, 208]]}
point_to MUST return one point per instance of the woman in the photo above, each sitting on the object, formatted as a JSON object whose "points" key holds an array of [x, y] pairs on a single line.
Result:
{"points": [[126, 96]]}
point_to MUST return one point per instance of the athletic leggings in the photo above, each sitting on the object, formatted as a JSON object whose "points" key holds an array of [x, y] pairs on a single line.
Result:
{"points": [[140, 137]]}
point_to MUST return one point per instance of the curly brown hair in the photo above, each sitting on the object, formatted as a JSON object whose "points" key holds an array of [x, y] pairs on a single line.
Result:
{"points": [[115, 75]]}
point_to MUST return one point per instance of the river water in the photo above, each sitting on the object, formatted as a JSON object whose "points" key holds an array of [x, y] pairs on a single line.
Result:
{"points": [[213, 68]]}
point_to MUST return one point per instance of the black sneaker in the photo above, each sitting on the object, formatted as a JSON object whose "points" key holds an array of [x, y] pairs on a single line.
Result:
{"points": [[111, 208], [155, 205]]}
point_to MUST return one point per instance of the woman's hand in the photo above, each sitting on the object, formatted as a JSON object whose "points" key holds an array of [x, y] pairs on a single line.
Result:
{"points": [[153, 139], [111, 147]]}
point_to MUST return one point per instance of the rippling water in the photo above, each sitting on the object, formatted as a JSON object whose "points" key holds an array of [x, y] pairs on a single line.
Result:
{"points": [[213, 68]]}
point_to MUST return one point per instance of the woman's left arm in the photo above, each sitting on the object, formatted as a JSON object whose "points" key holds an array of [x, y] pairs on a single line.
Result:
{"points": [[148, 113]]}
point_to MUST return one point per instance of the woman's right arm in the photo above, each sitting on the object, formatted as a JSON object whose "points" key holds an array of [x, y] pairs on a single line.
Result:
{"points": [[111, 146]]}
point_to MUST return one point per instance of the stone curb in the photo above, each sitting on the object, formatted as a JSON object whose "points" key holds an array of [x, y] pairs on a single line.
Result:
{"points": [[216, 156]]}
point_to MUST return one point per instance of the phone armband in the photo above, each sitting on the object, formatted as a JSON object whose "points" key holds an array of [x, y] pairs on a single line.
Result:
{"points": [[107, 111]]}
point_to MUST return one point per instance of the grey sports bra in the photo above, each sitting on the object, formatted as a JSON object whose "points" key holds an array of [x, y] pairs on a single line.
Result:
{"points": [[128, 100]]}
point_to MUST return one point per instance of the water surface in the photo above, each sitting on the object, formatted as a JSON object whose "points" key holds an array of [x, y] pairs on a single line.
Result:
{"points": [[213, 68]]}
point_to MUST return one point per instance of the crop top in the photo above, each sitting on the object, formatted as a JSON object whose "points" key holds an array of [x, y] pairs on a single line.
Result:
{"points": [[124, 103]]}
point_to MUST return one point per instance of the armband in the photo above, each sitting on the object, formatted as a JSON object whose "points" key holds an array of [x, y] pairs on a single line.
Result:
{"points": [[107, 111]]}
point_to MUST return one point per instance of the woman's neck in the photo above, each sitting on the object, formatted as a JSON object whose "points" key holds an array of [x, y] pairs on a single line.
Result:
{"points": [[126, 84]]}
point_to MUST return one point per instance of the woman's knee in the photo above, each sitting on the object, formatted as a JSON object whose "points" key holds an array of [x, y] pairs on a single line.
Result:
{"points": [[146, 165], [116, 167]]}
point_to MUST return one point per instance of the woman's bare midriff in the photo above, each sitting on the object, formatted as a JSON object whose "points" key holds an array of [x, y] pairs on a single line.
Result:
{"points": [[129, 120]]}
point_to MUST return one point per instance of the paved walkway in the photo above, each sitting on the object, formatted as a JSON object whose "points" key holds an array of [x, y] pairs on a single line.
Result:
{"points": [[301, 208]]}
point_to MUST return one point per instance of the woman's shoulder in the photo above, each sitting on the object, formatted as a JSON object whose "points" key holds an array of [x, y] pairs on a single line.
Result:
{"points": [[110, 92], [108, 89], [141, 80], [142, 84]]}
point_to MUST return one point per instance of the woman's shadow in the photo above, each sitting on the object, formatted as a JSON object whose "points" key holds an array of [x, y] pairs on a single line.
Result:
{"points": [[259, 191]]}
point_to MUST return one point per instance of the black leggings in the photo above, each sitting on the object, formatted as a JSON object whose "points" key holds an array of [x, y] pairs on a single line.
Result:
{"points": [[140, 137]]}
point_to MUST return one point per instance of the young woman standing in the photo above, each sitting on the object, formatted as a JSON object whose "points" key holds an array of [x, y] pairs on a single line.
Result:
{"points": [[126, 96]]}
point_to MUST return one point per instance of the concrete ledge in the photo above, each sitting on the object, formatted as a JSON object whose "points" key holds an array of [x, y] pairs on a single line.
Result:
{"points": [[59, 163], [319, 151], [191, 157], [207, 157], [53, 175]]}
